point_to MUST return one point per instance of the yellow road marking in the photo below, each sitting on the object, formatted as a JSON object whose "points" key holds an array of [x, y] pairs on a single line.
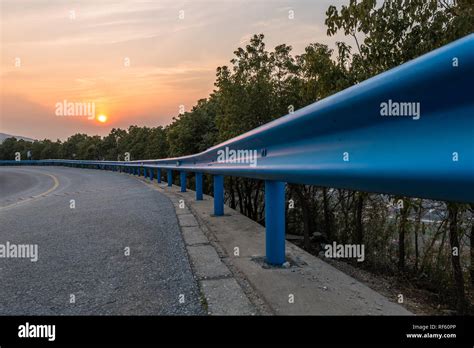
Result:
{"points": [[55, 186]]}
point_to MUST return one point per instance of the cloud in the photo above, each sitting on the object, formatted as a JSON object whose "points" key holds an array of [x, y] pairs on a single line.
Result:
{"points": [[172, 60]]}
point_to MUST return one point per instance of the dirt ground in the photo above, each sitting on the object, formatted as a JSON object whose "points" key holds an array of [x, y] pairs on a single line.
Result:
{"points": [[418, 301]]}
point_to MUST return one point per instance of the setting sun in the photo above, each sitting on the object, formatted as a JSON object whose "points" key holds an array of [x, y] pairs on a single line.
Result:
{"points": [[102, 118]]}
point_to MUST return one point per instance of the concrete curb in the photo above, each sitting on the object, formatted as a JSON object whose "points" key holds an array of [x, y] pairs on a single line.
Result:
{"points": [[222, 294]]}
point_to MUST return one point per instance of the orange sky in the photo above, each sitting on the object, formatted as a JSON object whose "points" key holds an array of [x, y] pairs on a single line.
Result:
{"points": [[78, 51]]}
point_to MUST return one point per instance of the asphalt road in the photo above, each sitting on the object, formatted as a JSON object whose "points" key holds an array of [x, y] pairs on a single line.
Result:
{"points": [[82, 266]]}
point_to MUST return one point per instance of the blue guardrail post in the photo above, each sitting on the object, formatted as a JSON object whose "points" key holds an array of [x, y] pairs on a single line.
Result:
{"points": [[158, 175], [218, 195], [198, 186], [151, 174], [170, 178], [275, 222], [182, 179]]}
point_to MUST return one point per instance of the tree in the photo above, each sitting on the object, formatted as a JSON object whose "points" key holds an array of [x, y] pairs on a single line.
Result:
{"points": [[245, 94], [398, 31], [453, 210], [194, 131]]}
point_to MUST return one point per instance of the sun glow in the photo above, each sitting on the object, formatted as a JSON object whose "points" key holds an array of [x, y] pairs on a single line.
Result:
{"points": [[102, 118]]}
